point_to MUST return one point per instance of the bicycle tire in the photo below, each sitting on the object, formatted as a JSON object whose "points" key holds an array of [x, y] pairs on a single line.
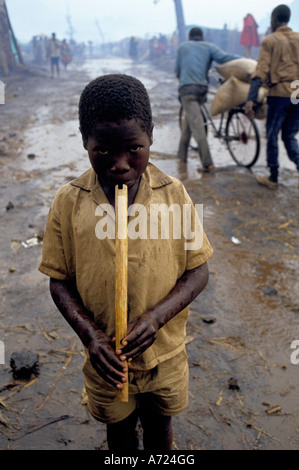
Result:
{"points": [[242, 138]]}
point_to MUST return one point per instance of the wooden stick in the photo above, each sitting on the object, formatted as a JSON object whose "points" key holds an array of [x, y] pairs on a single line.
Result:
{"points": [[121, 278]]}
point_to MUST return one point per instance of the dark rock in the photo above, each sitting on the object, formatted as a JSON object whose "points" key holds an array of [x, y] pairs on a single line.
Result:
{"points": [[270, 290], [23, 364]]}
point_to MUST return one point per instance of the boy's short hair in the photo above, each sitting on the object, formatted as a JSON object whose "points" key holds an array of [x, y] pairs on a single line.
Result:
{"points": [[282, 13], [112, 98]]}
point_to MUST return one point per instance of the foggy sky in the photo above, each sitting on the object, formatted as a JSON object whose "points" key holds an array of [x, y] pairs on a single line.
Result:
{"points": [[124, 18]]}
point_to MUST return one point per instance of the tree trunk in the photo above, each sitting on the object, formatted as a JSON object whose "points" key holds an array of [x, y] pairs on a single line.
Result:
{"points": [[7, 57], [180, 20]]}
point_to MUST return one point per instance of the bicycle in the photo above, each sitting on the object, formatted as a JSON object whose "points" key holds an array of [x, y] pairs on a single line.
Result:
{"points": [[240, 134]]}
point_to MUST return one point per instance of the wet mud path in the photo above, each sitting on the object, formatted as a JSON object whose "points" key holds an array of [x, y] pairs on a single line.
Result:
{"points": [[243, 385]]}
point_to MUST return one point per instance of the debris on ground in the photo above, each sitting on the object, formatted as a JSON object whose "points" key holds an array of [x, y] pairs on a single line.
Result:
{"points": [[23, 364]]}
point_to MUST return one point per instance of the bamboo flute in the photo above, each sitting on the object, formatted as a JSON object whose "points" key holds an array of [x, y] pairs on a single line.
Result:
{"points": [[121, 278]]}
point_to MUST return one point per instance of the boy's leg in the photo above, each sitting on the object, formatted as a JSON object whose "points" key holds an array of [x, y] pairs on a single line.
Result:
{"points": [[157, 428], [122, 436]]}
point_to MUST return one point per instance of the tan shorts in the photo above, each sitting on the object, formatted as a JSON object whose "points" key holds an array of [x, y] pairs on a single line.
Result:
{"points": [[166, 387]]}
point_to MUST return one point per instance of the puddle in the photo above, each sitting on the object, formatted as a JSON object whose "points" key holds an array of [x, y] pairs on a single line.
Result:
{"points": [[54, 145], [95, 68]]}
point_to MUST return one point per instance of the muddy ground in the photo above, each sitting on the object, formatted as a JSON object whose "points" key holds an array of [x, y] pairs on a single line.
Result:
{"points": [[244, 388]]}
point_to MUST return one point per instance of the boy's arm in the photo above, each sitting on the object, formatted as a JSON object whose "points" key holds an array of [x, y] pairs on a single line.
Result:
{"points": [[142, 331], [99, 345]]}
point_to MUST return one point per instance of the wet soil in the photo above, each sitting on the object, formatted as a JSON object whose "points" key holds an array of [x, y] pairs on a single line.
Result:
{"points": [[243, 385]]}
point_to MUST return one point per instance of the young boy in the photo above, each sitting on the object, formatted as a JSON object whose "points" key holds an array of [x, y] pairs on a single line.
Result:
{"points": [[164, 276]]}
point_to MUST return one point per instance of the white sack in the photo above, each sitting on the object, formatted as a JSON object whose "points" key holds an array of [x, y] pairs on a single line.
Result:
{"points": [[240, 68]]}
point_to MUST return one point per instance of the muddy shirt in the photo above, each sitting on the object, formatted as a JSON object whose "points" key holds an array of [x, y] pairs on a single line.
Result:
{"points": [[75, 248], [278, 62]]}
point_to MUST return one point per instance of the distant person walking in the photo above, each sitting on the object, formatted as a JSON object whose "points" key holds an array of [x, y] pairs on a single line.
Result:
{"points": [[194, 59], [277, 68], [54, 53], [133, 48], [249, 36], [66, 53]]}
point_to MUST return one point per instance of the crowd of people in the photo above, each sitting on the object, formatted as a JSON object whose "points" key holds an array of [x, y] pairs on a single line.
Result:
{"points": [[44, 49], [137, 48]]}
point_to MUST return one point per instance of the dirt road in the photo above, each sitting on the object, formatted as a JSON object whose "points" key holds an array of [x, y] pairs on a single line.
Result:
{"points": [[243, 386]]}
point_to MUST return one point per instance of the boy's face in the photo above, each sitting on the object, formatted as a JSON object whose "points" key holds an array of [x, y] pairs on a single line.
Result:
{"points": [[118, 153]]}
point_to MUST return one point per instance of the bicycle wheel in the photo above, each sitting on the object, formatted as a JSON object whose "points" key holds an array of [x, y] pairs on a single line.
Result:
{"points": [[242, 138]]}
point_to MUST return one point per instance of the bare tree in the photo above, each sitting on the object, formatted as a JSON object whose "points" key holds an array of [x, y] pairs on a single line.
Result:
{"points": [[71, 30], [8, 41], [180, 19]]}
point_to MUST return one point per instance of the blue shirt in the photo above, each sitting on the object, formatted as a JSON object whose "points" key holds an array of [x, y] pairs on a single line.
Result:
{"points": [[194, 59]]}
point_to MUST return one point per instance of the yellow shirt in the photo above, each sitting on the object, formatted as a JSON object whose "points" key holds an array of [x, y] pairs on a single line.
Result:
{"points": [[73, 250], [278, 62]]}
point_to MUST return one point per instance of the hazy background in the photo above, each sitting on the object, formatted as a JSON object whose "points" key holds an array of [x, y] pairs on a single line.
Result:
{"points": [[113, 20]]}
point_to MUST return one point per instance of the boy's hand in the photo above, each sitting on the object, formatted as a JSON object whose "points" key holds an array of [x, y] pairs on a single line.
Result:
{"points": [[104, 360], [99, 345], [142, 332]]}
